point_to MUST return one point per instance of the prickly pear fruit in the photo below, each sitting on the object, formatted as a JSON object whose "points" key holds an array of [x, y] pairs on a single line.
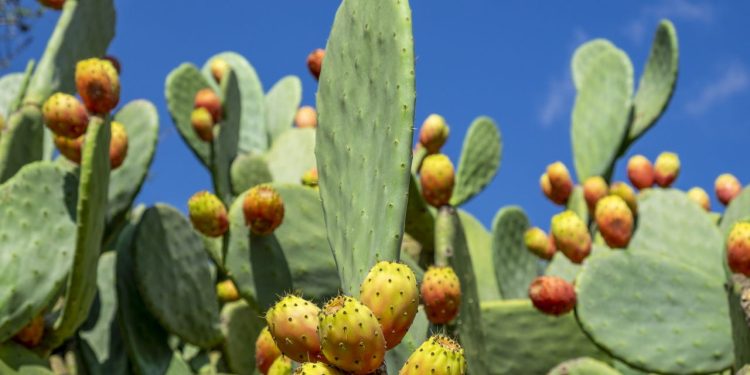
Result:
{"points": [[70, 148], [310, 178], [118, 145], [219, 69], [350, 336], [281, 366], [699, 196], [263, 209], [666, 169], [31, 335], [203, 124], [539, 243], [552, 295], [433, 133], [316, 369], [437, 177], [208, 214], [615, 221], [390, 291], [208, 99], [53, 4], [571, 236], [115, 63], [441, 294], [556, 183], [738, 248], [315, 62], [65, 115], [439, 355], [627, 193], [266, 351], [640, 172], [293, 324], [594, 188], [727, 187], [227, 291], [98, 84], [306, 117]]}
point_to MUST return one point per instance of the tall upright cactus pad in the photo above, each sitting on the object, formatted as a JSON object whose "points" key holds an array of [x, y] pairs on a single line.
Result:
{"points": [[39, 201], [366, 112], [479, 240], [141, 121], [253, 136], [22, 142], [17, 360], [91, 213], [522, 340], [291, 155], [302, 239], [679, 314], [281, 103], [515, 266], [601, 113], [577, 204], [10, 86], [174, 277], [225, 146], [657, 81], [84, 30], [180, 88], [420, 221], [480, 160], [584, 56], [738, 209], [241, 325]]}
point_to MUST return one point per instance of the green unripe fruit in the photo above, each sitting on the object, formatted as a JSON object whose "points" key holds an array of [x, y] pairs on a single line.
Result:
{"points": [[571, 236], [281, 366], [437, 177], [439, 355], [208, 214], [227, 291], [310, 178]]}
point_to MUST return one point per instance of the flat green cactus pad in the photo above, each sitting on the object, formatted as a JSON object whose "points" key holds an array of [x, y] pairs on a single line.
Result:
{"points": [[10, 86], [601, 113], [584, 56], [515, 266], [17, 360], [174, 276], [521, 340], [480, 160], [678, 315], [577, 204], [40, 203], [181, 86], [561, 266], [281, 104], [291, 155], [479, 240], [671, 225], [247, 171], [225, 145], [738, 209], [420, 219], [242, 325], [302, 239], [364, 137], [658, 80], [583, 366], [22, 141]]}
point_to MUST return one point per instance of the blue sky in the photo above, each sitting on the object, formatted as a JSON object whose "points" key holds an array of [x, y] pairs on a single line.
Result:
{"points": [[505, 59]]}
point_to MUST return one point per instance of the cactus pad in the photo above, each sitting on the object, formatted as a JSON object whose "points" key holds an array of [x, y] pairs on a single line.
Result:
{"points": [[181, 86], [515, 266], [479, 240], [281, 104], [241, 325], [583, 366], [10, 86], [247, 171], [480, 160], [22, 141], [225, 144], [17, 360], [584, 56], [291, 155]]}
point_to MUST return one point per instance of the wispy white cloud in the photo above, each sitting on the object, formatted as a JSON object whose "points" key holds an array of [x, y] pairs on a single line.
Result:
{"points": [[560, 91], [638, 29], [733, 79]]}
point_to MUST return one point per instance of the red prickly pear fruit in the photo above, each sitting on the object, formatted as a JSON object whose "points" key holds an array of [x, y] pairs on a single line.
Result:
{"points": [[571, 236], [118, 145], [438, 178], [350, 336], [439, 355], [31, 335], [311, 368], [70, 148], [738, 248], [98, 84], [266, 351], [219, 68], [552, 295], [594, 188], [306, 117], [65, 115], [666, 169], [627, 193], [310, 178], [208, 214], [315, 62], [293, 324], [727, 187], [640, 172], [227, 291], [281, 366], [53, 4], [208, 99], [539, 243], [115, 63], [699, 196], [263, 209], [203, 124], [433, 133], [390, 291], [441, 294], [615, 221]]}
